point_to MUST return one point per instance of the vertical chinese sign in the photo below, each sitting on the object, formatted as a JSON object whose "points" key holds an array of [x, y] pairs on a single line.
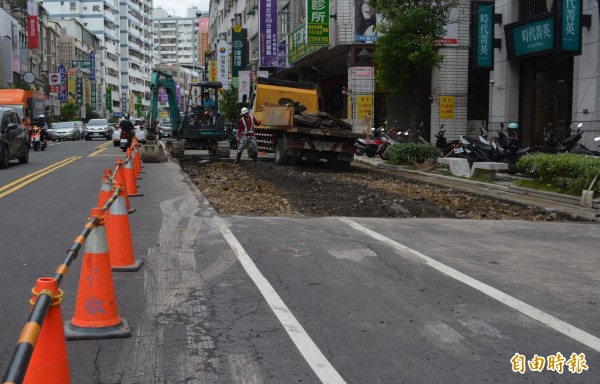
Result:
{"points": [[92, 98], [317, 22], [62, 95], [238, 56], [268, 33], [483, 50], [364, 107], [223, 63], [203, 30], [446, 107], [33, 36], [569, 20]]}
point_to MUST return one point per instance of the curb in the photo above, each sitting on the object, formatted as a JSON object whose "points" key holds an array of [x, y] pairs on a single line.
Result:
{"points": [[548, 201]]}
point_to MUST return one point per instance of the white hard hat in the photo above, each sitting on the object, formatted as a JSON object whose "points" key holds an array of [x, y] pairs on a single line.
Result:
{"points": [[244, 111]]}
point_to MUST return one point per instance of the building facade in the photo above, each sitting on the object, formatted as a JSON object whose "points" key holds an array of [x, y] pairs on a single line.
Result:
{"points": [[534, 88]]}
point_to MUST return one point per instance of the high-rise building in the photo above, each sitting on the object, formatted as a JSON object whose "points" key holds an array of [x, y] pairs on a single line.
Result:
{"points": [[124, 29]]}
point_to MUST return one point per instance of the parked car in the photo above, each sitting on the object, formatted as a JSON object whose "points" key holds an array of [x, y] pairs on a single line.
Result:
{"points": [[98, 128], [65, 130], [14, 139], [165, 130]]}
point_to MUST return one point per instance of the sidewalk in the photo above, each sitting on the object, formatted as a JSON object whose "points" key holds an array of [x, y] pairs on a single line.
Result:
{"points": [[502, 189]]}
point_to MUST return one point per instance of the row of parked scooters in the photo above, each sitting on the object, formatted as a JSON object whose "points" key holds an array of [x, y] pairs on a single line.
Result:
{"points": [[506, 147], [379, 140]]}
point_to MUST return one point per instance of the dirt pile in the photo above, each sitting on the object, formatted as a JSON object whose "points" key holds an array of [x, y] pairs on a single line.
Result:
{"points": [[266, 189]]}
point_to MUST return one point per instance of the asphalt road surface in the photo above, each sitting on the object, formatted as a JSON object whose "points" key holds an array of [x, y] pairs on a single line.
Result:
{"points": [[231, 299]]}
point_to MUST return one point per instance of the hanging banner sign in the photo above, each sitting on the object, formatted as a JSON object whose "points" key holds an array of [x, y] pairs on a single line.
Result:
{"points": [[71, 87], [62, 95], [318, 22], [79, 89], [568, 17], [212, 71], [33, 38], [238, 56], [223, 63], [243, 86], [87, 90], [93, 65], [268, 33], [483, 35], [93, 96]]}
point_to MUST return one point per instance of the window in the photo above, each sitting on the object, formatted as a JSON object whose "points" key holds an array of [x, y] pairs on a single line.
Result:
{"points": [[72, 5]]}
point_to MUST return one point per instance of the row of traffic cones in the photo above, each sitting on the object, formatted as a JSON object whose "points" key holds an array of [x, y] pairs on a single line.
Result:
{"points": [[108, 248]]}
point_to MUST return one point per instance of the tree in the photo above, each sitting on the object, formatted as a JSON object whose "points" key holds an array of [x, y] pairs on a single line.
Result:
{"points": [[70, 111], [229, 105], [406, 49]]}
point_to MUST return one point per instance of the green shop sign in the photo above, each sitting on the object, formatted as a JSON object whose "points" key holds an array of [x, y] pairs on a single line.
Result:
{"points": [[530, 38], [298, 48], [483, 50], [81, 63], [318, 22], [569, 18]]}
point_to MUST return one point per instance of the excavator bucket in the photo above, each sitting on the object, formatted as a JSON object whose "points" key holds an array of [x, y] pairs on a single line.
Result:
{"points": [[153, 152]]}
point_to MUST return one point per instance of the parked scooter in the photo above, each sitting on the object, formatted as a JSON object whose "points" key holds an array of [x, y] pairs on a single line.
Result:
{"points": [[38, 142], [442, 144], [477, 149], [372, 146]]}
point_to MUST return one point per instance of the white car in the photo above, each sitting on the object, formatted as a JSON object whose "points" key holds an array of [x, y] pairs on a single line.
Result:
{"points": [[140, 131]]}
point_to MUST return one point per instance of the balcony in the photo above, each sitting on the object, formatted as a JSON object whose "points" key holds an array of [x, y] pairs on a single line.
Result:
{"points": [[251, 7]]}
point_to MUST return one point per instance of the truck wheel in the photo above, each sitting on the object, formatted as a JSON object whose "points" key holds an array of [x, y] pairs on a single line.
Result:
{"points": [[280, 157]]}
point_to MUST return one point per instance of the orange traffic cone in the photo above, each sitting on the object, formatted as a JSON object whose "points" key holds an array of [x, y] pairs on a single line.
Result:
{"points": [[129, 173], [137, 160], [96, 314], [119, 237], [131, 154], [120, 178], [49, 362], [105, 188]]}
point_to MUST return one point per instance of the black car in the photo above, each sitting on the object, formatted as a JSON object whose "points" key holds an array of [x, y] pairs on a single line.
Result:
{"points": [[14, 139]]}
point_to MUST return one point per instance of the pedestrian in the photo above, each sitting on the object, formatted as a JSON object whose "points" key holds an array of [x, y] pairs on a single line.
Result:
{"points": [[245, 135]]}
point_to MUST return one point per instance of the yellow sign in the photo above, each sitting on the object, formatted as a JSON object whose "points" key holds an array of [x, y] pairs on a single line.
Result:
{"points": [[237, 28], [212, 71], [364, 106], [446, 107]]}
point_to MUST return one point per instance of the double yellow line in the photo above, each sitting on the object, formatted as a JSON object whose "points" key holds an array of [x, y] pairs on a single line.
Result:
{"points": [[101, 147], [28, 179]]}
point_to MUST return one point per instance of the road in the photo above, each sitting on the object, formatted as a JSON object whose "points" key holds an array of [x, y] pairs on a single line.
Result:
{"points": [[230, 299]]}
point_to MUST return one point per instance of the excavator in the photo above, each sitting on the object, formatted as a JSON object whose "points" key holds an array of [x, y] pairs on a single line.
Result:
{"points": [[197, 127]]}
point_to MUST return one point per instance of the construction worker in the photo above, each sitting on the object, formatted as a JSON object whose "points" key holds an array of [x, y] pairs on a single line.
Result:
{"points": [[245, 135]]}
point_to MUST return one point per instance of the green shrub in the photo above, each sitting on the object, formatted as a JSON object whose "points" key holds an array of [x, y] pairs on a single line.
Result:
{"points": [[569, 172], [405, 153]]}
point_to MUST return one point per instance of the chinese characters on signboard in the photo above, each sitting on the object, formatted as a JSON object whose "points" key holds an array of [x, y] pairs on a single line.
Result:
{"points": [[446, 107], [483, 37], [223, 63], [364, 106], [268, 33], [318, 22], [570, 15]]}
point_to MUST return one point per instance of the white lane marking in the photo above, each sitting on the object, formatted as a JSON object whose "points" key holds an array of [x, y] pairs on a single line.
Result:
{"points": [[309, 350], [526, 309]]}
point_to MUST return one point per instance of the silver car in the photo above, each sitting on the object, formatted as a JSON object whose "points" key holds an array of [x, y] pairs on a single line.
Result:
{"points": [[64, 130], [98, 128]]}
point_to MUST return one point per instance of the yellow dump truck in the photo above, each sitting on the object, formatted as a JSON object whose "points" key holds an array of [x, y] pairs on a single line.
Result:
{"points": [[293, 128]]}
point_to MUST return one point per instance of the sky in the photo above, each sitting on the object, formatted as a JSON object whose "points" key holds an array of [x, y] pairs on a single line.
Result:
{"points": [[179, 7]]}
